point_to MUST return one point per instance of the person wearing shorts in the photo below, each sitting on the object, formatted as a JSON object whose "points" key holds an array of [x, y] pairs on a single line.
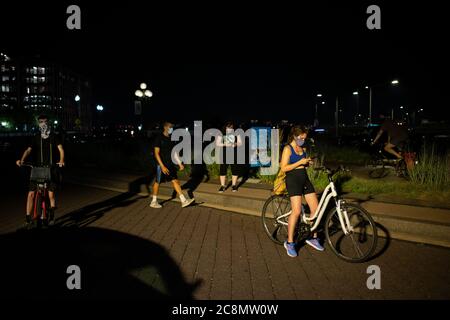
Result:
{"points": [[45, 149], [166, 170], [294, 161], [397, 136], [229, 143]]}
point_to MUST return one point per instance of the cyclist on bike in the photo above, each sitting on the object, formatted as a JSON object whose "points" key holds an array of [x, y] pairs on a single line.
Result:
{"points": [[43, 147], [397, 135], [294, 161]]}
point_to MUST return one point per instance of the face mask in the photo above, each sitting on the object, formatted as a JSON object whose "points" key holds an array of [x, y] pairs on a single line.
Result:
{"points": [[45, 130], [170, 130], [299, 141]]}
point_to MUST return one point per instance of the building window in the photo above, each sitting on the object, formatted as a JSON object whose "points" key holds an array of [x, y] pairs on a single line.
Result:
{"points": [[5, 88], [5, 78]]}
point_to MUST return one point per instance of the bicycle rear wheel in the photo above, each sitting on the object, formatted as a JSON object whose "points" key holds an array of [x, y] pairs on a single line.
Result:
{"points": [[359, 244], [274, 207]]}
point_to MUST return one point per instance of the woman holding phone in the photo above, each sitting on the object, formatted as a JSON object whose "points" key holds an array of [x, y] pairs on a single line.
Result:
{"points": [[294, 161]]}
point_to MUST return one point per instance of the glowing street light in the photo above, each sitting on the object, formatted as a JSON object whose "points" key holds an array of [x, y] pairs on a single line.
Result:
{"points": [[148, 93], [139, 93], [77, 98], [99, 108], [355, 93], [394, 82], [143, 86]]}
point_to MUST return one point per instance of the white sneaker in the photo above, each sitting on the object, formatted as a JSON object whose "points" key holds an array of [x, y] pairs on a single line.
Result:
{"points": [[187, 202], [155, 204]]}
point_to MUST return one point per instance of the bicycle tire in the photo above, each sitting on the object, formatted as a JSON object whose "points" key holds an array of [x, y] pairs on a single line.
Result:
{"points": [[336, 248], [271, 209], [38, 207]]}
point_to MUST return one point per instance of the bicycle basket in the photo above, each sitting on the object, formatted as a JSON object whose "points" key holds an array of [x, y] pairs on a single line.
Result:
{"points": [[40, 174]]}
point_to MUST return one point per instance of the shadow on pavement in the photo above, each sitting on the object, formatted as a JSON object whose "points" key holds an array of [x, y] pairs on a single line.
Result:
{"points": [[90, 213], [383, 242], [113, 265]]}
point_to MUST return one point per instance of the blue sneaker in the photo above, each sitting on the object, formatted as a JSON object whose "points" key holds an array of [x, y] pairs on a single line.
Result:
{"points": [[290, 249], [315, 244]]}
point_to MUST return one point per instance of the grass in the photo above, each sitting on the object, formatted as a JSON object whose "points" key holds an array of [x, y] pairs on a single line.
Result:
{"points": [[431, 171], [345, 155]]}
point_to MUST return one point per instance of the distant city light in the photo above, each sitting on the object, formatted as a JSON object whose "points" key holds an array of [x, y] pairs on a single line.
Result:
{"points": [[140, 127], [401, 107], [77, 98], [319, 95], [143, 86], [366, 87], [323, 102], [4, 123], [99, 107], [395, 82], [55, 122], [355, 93]]}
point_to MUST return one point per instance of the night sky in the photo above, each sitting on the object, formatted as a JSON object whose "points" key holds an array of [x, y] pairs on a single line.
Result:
{"points": [[226, 60]]}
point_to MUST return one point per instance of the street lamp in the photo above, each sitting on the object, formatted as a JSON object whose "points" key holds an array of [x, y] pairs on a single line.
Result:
{"points": [[393, 82], [99, 108], [142, 94], [316, 114], [77, 98]]}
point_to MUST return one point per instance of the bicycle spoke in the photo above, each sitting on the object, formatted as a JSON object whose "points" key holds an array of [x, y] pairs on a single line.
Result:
{"points": [[357, 249]]}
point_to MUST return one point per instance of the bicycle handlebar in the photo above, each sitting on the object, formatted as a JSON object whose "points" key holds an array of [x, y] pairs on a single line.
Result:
{"points": [[31, 165]]}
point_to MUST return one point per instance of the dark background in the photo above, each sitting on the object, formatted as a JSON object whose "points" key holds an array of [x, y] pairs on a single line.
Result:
{"points": [[226, 60]]}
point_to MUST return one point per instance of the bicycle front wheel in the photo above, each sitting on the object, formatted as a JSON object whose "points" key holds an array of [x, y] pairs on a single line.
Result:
{"points": [[274, 207], [360, 243]]}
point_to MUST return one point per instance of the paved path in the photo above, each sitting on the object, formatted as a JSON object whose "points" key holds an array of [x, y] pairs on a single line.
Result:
{"points": [[227, 255]]}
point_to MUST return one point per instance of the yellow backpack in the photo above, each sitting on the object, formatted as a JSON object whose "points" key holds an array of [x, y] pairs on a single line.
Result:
{"points": [[279, 185]]}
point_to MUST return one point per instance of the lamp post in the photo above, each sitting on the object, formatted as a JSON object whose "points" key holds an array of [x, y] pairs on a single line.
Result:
{"points": [[356, 94], [316, 112], [143, 93], [78, 121], [393, 82]]}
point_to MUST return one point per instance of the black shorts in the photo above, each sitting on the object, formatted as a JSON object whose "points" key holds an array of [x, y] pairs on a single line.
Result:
{"points": [[162, 177], [56, 178], [235, 169], [297, 183]]}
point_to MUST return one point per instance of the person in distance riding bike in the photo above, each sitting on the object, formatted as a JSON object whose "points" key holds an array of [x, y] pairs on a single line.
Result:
{"points": [[397, 135], [43, 148]]}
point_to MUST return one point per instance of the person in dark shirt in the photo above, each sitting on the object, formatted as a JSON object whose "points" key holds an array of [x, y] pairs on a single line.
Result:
{"points": [[46, 150], [166, 170], [397, 135]]}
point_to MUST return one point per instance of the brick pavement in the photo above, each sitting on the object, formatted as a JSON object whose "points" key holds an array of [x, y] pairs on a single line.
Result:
{"points": [[231, 257]]}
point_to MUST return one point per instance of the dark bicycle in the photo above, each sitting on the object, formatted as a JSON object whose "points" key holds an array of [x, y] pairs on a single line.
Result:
{"points": [[383, 163]]}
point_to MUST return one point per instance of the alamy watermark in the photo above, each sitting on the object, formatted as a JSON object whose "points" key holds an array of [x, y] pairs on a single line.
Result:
{"points": [[229, 147], [374, 280]]}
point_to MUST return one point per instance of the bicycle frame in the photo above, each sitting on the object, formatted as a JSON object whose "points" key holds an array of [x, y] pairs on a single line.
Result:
{"points": [[329, 192]]}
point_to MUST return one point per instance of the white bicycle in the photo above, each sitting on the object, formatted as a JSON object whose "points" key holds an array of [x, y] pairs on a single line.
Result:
{"points": [[349, 229]]}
